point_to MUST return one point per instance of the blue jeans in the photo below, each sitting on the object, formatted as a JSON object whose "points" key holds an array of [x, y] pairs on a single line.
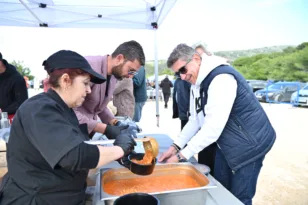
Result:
{"points": [[242, 183], [138, 111]]}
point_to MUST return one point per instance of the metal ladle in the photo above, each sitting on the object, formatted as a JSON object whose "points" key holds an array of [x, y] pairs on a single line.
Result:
{"points": [[150, 144]]}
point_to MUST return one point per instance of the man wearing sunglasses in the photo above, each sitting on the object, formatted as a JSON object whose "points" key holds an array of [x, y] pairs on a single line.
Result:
{"points": [[223, 109], [124, 62]]}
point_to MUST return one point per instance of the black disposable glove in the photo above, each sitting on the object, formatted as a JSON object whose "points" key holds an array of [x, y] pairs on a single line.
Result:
{"points": [[124, 161], [133, 130], [126, 142], [119, 123], [112, 132]]}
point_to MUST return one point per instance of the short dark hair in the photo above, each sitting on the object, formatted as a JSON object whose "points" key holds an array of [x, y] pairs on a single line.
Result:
{"points": [[0, 57], [181, 51], [131, 50]]}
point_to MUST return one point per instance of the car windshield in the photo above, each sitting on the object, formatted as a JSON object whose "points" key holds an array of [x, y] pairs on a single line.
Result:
{"points": [[306, 87]]}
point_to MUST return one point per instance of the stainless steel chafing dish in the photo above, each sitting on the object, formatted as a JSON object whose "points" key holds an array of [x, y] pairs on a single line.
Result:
{"points": [[197, 196]]}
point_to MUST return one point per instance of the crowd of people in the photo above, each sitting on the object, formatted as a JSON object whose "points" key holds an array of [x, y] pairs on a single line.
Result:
{"points": [[48, 160]]}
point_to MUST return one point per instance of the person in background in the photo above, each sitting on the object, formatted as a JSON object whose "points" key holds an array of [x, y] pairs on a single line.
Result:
{"points": [[223, 110], [123, 98], [13, 88], [166, 86], [202, 48], [27, 81], [48, 160], [140, 93], [46, 85], [181, 95], [124, 62]]}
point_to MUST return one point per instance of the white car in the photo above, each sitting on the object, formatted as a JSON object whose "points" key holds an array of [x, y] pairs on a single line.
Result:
{"points": [[151, 93], [300, 97]]}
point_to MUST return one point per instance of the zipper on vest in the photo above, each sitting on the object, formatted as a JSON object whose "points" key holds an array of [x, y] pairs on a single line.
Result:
{"points": [[242, 130], [233, 172]]}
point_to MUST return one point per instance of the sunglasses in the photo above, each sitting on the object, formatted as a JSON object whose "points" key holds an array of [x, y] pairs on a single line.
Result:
{"points": [[183, 69]]}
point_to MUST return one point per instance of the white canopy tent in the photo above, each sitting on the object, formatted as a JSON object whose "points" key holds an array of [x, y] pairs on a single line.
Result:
{"points": [[122, 14]]}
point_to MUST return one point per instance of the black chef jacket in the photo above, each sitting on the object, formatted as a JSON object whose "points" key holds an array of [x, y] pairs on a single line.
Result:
{"points": [[43, 131]]}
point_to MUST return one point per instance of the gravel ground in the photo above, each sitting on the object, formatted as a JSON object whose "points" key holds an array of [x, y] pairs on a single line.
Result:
{"points": [[283, 179]]}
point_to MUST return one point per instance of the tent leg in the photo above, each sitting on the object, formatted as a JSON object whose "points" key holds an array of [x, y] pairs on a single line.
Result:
{"points": [[156, 77]]}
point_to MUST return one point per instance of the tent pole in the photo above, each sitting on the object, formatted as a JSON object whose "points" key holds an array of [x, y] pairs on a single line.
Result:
{"points": [[156, 76], [32, 13]]}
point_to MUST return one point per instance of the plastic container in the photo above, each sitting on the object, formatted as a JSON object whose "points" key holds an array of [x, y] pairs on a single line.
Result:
{"points": [[4, 122]]}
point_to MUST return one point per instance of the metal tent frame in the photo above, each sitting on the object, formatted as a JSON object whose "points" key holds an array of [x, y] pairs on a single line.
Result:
{"points": [[122, 14]]}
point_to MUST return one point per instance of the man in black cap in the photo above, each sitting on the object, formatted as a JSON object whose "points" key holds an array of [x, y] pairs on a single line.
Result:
{"points": [[13, 90]]}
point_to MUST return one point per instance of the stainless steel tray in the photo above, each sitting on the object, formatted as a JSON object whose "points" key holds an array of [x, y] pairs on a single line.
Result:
{"points": [[170, 197]]}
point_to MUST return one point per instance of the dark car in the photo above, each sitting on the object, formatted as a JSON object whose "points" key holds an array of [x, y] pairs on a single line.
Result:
{"points": [[278, 92], [257, 84]]}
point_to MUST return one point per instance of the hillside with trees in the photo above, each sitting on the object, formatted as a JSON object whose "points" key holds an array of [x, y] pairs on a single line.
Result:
{"points": [[289, 63], [233, 55]]}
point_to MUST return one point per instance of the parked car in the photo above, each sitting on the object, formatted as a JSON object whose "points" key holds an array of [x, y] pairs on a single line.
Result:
{"points": [[300, 97], [151, 93], [279, 92], [257, 84]]}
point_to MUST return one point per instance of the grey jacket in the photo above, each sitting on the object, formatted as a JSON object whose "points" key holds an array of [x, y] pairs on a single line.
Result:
{"points": [[123, 98]]}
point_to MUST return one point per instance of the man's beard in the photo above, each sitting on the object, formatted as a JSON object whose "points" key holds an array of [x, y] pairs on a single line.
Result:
{"points": [[117, 71]]}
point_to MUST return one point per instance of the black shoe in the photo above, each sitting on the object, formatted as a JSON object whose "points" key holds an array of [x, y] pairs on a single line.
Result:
{"points": [[166, 106]]}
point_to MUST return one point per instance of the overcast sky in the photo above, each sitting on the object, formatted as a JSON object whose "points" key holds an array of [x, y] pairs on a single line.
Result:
{"points": [[223, 24]]}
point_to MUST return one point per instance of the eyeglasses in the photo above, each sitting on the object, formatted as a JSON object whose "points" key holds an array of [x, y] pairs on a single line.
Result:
{"points": [[183, 69], [132, 71]]}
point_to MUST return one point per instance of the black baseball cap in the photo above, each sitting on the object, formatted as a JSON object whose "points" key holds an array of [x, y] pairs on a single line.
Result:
{"points": [[70, 59]]}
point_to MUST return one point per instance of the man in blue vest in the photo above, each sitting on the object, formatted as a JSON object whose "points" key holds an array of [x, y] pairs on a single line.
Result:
{"points": [[223, 110]]}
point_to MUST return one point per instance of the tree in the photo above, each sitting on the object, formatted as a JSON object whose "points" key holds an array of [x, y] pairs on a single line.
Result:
{"points": [[162, 68], [302, 46], [291, 65], [24, 71]]}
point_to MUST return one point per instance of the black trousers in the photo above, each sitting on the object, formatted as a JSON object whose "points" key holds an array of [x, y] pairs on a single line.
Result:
{"points": [[207, 157], [166, 97]]}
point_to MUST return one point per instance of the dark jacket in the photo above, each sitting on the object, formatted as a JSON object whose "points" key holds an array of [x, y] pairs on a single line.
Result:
{"points": [[13, 89], [166, 86], [248, 134], [181, 96], [140, 90], [44, 130]]}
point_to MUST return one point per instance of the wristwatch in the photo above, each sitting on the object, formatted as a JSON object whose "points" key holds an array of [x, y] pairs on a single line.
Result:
{"points": [[181, 159]]}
